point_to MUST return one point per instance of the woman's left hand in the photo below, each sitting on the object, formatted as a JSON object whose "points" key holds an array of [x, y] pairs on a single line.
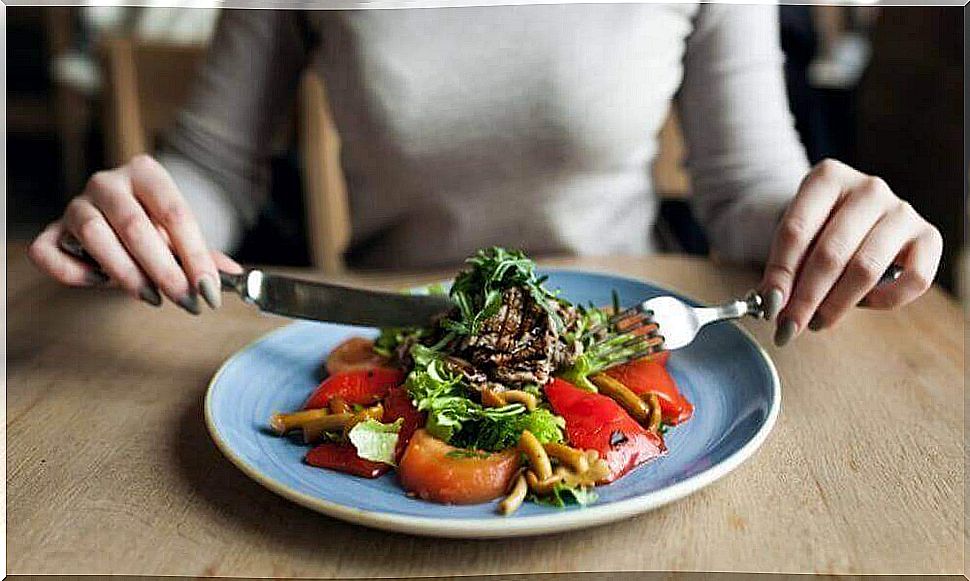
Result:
{"points": [[841, 232]]}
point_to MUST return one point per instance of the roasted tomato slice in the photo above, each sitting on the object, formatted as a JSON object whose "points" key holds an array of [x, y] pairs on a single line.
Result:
{"points": [[354, 354], [650, 375], [344, 458], [436, 471], [362, 387], [596, 422]]}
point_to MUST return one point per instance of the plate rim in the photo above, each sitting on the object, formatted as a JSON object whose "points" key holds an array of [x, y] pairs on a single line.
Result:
{"points": [[504, 527]]}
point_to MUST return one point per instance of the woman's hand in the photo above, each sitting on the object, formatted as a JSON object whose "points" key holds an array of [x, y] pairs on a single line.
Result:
{"points": [[135, 223], [842, 231]]}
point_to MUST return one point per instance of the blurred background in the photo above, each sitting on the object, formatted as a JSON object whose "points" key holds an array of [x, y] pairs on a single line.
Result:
{"points": [[878, 87]]}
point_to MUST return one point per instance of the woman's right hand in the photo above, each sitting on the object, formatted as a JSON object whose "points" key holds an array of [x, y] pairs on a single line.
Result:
{"points": [[135, 223]]}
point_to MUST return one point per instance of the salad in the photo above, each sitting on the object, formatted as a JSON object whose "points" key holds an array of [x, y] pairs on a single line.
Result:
{"points": [[515, 394]]}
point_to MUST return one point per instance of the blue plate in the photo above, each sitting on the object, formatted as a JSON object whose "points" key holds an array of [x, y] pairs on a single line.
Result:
{"points": [[726, 375]]}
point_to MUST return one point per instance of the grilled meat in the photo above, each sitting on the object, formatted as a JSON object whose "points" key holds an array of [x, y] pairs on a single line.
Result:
{"points": [[518, 345]]}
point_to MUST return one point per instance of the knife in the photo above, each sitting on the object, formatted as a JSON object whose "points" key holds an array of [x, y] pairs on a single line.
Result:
{"points": [[317, 301]]}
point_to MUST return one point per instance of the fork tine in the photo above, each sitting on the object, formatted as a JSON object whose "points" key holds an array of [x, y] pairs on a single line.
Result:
{"points": [[645, 326], [634, 311], [647, 351], [626, 313], [640, 341]]}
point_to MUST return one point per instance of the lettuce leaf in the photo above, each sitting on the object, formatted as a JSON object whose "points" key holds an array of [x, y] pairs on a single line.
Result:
{"points": [[461, 421], [499, 428], [376, 441]]}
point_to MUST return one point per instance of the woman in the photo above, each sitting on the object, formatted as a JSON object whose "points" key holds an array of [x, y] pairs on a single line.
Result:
{"points": [[527, 126]]}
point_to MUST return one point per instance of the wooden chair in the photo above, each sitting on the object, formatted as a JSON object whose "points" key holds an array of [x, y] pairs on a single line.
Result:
{"points": [[670, 180], [146, 84]]}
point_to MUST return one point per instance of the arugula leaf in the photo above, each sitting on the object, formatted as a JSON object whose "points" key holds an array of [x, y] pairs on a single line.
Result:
{"points": [[376, 441], [563, 495], [478, 291]]}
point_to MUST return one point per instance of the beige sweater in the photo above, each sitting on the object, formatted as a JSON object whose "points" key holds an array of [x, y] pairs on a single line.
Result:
{"points": [[523, 126]]}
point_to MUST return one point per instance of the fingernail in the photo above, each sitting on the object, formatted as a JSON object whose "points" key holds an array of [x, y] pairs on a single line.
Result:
{"points": [[190, 303], [150, 295], [71, 245], [210, 291], [816, 324], [96, 278], [786, 330], [773, 303]]}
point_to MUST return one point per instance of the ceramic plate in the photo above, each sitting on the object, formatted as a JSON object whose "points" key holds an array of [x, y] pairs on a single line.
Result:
{"points": [[730, 380]]}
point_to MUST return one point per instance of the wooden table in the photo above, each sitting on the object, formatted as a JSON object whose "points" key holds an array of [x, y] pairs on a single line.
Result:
{"points": [[110, 468]]}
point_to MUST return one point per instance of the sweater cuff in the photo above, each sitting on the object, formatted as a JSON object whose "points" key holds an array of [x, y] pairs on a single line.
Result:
{"points": [[751, 230]]}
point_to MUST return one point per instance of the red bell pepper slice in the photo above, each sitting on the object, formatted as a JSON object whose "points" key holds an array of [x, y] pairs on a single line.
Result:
{"points": [[650, 375], [344, 458], [362, 387], [397, 405], [596, 422]]}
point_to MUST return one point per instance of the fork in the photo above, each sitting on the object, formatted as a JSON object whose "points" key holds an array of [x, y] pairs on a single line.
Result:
{"points": [[668, 323]]}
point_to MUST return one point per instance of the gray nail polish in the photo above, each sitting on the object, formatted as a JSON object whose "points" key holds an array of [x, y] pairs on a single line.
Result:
{"points": [[786, 330], [773, 303], [210, 291], [96, 278], [816, 324], [150, 295], [71, 245], [190, 303]]}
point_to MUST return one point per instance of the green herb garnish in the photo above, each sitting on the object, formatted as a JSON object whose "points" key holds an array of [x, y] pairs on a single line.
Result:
{"points": [[478, 290], [599, 353]]}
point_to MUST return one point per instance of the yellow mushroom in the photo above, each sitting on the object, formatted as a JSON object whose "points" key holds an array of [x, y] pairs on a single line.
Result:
{"points": [[313, 431], [571, 457], [516, 496], [282, 423], [523, 397], [530, 446]]}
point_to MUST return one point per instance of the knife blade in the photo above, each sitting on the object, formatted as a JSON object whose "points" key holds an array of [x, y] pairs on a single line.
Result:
{"points": [[316, 301], [319, 301]]}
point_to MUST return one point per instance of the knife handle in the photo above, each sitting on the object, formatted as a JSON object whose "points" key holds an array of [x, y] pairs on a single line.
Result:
{"points": [[234, 282]]}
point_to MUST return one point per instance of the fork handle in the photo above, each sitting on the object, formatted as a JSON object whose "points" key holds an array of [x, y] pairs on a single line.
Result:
{"points": [[753, 303]]}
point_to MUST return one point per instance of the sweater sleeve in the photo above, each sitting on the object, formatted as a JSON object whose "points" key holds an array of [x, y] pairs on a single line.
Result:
{"points": [[743, 153], [218, 150]]}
